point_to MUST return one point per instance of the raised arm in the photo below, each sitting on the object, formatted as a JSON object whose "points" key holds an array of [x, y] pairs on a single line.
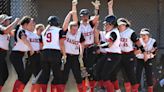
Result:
{"points": [[96, 4], [66, 21], [62, 37], [96, 34], [10, 27], [74, 10], [110, 7]]}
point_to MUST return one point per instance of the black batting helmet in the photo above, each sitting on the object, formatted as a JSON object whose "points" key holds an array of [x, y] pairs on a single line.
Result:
{"points": [[110, 19], [53, 21], [84, 12]]}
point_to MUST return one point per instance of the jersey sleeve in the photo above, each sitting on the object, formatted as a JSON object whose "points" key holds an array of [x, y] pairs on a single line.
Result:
{"points": [[134, 37], [1, 30], [16, 32], [40, 39], [155, 45], [78, 23], [62, 34], [21, 33], [91, 23], [156, 48], [82, 39], [112, 37]]}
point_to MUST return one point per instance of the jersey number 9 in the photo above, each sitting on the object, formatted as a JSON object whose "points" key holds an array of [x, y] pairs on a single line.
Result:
{"points": [[49, 37]]}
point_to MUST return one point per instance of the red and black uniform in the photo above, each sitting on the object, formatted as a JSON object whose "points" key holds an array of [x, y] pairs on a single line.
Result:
{"points": [[127, 64], [33, 61], [4, 42], [111, 59], [147, 65], [19, 58], [50, 58], [72, 46]]}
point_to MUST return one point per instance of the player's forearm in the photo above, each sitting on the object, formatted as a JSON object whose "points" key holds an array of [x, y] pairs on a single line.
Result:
{"points": [[41, 46], [66, 21], [62, 47], [96, 5], [110, 7], [9, 28], [96, 36], [110, 11], [74, 13]]}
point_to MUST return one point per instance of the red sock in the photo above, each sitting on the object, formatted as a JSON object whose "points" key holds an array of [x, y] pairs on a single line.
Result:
{"points": [[116, 85], [80, 88], [35, 88], [84, 86], [92, 85], [53, 88], [16, 85], [21, 87], [44, 87], [60, 88], [1, 88], [109, 86], [127, 86], [100, 83], [150, 89], [135, 88]]}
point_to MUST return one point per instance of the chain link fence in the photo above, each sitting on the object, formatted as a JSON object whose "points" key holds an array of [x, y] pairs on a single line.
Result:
{"points": [[4, 6], [20, 8]]}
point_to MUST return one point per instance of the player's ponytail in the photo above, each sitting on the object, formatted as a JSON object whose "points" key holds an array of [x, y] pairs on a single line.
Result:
{"points": [[15, 32]]}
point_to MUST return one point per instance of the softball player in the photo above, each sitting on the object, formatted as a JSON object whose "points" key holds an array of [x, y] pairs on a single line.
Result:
{"points": [[32, 63], [35, 59], [128, 38], [51, 56], [70, 40], [86, 27], [113, 51], [23, 37], [109, 27], [145, 60], [5, 29]]}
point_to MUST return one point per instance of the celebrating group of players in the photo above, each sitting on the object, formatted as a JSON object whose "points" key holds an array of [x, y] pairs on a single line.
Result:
{"points": [[95, 57]]}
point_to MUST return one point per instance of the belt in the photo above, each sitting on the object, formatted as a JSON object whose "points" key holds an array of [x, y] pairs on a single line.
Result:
{"points": [[19, 52], [72, 54], [2, 49], [127, 52], [113, 53], [50, 50]]}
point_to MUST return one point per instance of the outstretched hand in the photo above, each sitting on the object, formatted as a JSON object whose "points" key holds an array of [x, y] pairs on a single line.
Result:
{"points": [[110, 3], [74, 2], [96, 4]]}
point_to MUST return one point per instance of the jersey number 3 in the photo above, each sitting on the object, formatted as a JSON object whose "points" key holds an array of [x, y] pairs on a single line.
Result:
{"points": [[49, 37]]}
